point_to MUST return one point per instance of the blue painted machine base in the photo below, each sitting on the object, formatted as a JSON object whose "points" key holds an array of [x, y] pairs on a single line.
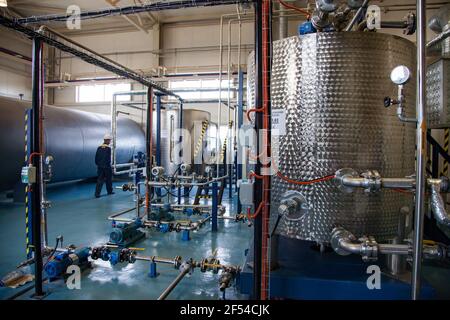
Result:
{"points": [[153, 273], [305, 273], [185, 235]]}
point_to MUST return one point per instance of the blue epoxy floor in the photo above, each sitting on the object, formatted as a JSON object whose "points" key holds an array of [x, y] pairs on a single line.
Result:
{"points": [[81, 219]]}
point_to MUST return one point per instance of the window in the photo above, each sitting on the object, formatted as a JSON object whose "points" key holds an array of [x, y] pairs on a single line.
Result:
{"points": [[101, 92], [202, 89]]}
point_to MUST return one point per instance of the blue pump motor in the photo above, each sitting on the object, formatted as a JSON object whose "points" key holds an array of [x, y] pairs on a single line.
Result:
{"points": [[124, 234], [306, 28], [62, 261]]}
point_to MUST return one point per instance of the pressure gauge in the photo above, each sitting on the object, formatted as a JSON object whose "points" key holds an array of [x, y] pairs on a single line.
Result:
{"points": [[400, 75]]}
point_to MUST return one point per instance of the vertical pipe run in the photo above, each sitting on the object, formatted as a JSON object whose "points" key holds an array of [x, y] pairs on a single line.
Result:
{"points": [[214, 206], [240, 122], [158, 138], [180, 127], [283, 31], [421, 134], [37, 90], [148, 140], [258, 189]]}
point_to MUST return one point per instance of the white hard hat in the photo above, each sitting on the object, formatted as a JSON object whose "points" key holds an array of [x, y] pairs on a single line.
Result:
{"points": [[107, 137]]}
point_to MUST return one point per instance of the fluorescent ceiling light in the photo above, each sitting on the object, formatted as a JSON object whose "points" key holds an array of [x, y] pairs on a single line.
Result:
{"points": [[3, 3]]}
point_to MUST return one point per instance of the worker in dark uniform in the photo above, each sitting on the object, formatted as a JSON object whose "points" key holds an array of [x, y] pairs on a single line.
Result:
{"points": [[104, 170]]}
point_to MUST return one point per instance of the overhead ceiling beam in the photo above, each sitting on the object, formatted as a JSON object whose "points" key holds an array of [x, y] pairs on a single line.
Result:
{"points": [[113, 3], [157, 6]]}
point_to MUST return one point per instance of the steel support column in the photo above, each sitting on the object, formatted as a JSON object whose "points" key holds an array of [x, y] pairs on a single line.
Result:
{"points": [[258, 190], [421, 134], [37, 90]]}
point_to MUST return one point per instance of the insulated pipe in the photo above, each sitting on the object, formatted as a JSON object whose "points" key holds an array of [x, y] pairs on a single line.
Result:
{"points": [[438, 205], [421, 134]]}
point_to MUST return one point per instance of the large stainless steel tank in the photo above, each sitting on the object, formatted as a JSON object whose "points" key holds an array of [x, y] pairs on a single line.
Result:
{"points": [[331, 86], [192, 122], [71, 137]]}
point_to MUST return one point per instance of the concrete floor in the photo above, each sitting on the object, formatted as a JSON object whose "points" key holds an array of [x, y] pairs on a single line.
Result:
{"points": [[81, 219]]}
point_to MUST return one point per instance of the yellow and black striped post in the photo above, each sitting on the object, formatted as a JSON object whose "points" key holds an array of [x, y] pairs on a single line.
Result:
{"points": [[200, 139], [28, 191], [446, 145]]}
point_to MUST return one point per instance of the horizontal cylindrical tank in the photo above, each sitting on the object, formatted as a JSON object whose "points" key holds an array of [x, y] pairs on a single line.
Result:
{"points": [[331, 87], [71, 137]]}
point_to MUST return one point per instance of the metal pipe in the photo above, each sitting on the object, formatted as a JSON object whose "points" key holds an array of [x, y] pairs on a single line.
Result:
{"points": [[184, 184], [397, 263], [37, 90], [60, 35], [421, 133], [156, 259], [345, 243], [388, 183], [148, 140], [82, 54], [258, 189], [114, 163], [439, 38], [172, 286], [356, 16], [117, 214], [284, 23]]}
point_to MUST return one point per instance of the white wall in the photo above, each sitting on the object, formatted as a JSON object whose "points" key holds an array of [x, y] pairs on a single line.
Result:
{"points": [[15, 73], [183, 48]]}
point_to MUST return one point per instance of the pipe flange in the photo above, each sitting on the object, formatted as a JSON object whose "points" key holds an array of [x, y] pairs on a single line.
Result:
{"points": [[369, 249], [411, 24], [320, 20], [203, 264], [293, 206], [373, 178], [177, 262], [337, 235], [345, 173]]}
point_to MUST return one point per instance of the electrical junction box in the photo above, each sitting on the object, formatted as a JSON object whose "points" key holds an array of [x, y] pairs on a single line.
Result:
{"points": [[438, 94], [28, 175], [245, 192]]}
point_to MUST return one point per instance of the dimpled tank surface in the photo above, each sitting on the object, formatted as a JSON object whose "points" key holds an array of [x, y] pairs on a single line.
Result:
{"points": [[332, 86]]}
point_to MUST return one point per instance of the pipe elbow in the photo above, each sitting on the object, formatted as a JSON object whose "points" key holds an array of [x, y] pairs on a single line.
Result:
{"points": [[343, 242]]}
